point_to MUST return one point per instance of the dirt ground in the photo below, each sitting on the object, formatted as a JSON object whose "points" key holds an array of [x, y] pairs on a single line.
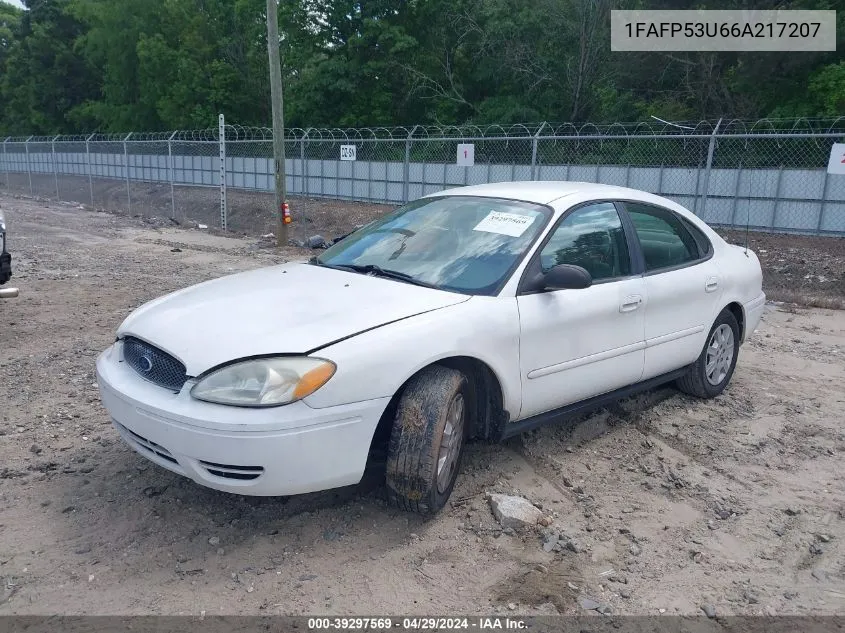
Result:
{"points": [[803, 269], [249, 213], [672, 503]]}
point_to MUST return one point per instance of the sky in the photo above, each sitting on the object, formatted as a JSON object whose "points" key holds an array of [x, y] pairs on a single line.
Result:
{"points": [[16, 3]]}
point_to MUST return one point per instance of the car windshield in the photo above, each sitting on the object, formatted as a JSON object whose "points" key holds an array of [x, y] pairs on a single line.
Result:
{"points": [[465, 244]]}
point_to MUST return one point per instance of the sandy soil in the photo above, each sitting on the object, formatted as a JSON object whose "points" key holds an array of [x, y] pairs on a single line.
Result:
{"points": [[674, 503]]}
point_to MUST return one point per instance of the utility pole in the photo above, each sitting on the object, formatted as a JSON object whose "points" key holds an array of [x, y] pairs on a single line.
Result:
{"points": [[283, 216]]}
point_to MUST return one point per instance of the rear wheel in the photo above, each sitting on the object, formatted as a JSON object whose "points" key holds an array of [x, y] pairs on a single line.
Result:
{"points": [[713, 369], [427, 440]]}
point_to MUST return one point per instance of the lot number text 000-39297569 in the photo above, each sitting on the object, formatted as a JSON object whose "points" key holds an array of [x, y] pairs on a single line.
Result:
{"points": [[746, 30]]}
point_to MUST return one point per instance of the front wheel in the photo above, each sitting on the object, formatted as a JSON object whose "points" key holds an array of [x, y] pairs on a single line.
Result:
{"points": [[427, 440], [713, 369]]}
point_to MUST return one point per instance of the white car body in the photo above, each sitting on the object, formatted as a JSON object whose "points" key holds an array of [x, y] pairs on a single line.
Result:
{"points": [[548, 352]]}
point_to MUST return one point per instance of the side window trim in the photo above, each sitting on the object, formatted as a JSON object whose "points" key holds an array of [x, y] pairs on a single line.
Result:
{"points": [[682, 222], [698, 236], [534, 265], [635, 249]]}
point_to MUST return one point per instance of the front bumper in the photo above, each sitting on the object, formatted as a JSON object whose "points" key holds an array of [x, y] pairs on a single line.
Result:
{"points": [[276, 451]]}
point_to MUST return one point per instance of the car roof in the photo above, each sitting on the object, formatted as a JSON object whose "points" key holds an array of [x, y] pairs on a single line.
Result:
{"points": [[544, 191]]}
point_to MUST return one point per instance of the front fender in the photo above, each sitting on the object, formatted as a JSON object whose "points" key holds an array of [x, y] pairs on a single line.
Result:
{"points": [[376, 363]]}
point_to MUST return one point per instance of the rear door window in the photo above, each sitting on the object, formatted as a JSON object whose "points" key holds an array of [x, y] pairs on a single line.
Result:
{"points": [[664, 240]]}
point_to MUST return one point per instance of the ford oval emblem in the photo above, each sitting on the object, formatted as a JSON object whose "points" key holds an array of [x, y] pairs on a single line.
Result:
{"points": [[146, 364]]}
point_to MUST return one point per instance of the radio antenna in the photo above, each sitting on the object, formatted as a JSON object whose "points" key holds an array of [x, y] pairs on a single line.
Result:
{"points": [[681, 127]]}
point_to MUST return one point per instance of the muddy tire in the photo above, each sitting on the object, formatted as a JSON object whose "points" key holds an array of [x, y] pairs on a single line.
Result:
{"points": [[713, 369], [427, 440]]}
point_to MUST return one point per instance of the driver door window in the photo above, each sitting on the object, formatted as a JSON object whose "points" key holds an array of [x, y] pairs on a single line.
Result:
{"points": [[591, 237]]}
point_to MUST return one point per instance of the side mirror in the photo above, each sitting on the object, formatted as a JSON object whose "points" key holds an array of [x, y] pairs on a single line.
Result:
{"points": [[566, 277]]}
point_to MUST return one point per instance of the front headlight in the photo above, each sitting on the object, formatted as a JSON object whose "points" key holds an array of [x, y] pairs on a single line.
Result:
{"points": [[265, 382]]}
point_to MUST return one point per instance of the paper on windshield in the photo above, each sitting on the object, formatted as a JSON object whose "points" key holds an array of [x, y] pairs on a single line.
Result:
{"points": [[503, 223]]}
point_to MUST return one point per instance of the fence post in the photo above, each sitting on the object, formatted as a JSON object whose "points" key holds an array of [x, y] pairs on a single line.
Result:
{"points": [[55, 164], [170, 173], [777, 197], [736, 193], [126, 165], [221, 134], [534, 152], [88, 161], [6, 162], [406, 177], [28, 168], [710, 150], [302, 189]]}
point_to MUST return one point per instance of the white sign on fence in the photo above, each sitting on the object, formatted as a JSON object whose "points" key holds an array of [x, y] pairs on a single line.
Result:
{"points": [[348, 152], [836, 164], [466, 154]]}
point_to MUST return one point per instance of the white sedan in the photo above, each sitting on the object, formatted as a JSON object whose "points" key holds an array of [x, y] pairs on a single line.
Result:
{"points": [[478, 312]]}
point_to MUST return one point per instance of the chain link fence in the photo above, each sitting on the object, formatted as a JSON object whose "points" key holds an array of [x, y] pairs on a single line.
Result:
{"points": [[770, 175]]}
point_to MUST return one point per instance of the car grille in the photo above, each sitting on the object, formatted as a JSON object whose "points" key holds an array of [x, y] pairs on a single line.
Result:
{"points": [[153, 364], [233, 472]]}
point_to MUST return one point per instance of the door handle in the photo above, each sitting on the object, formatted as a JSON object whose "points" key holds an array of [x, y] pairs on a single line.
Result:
{"points": [[631, 303], [711, 285]]}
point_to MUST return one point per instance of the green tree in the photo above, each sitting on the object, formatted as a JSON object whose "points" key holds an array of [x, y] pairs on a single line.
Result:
{"points": [[43, 76], [10, 20], [119, 65]]}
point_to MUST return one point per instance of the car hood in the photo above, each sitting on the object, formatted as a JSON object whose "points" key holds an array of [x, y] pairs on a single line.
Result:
{"points": [[291, 308]]}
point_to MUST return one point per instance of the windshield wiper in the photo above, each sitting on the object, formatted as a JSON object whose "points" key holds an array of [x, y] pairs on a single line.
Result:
{"points": [[378, 271]]}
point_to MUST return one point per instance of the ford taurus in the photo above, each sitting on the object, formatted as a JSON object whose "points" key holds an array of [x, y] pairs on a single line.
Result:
{"points": [[478, 312]]}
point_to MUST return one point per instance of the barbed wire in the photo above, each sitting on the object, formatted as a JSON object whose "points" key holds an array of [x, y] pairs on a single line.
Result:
{"points": [[610, 131]]}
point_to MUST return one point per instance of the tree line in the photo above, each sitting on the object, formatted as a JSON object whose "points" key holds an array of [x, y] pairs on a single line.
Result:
{"points": [[70, 66]]}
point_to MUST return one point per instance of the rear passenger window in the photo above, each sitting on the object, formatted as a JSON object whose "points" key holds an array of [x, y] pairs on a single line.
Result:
{"points": [[664, 240]]}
